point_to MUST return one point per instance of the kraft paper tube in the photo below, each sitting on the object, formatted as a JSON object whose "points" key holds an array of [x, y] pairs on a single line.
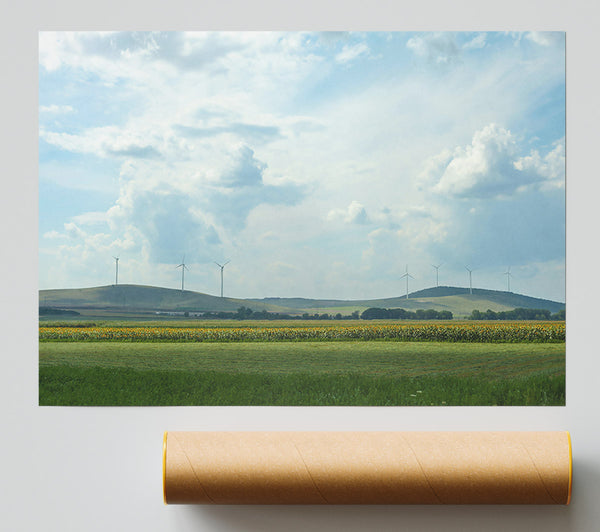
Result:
{"points": [[367, 467]]}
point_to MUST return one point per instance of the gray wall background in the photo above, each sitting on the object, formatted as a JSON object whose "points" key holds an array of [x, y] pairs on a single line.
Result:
{"points": [[97, 469]]}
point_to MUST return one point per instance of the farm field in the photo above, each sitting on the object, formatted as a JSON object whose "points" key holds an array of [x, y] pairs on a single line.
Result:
{"points": [[156, 365]]}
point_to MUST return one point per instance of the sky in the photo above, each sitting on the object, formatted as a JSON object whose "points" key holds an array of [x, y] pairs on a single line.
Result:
{"points": [[321, 165]]}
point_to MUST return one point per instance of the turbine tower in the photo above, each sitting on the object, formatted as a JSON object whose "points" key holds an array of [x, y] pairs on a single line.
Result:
{"points": [[470, 280], [222, 266], [183, 268], [407, 275], [116, 270], [508, 276], [437, 271]]}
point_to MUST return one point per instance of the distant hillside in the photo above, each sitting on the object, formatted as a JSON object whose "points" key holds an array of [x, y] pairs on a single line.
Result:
{"points": [[143, 298], [509, 300], [128, 298], [455, 299]]}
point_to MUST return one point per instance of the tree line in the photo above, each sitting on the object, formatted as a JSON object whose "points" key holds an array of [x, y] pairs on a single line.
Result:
{"points": [[518, 314], [374, 313], [245, 313]]}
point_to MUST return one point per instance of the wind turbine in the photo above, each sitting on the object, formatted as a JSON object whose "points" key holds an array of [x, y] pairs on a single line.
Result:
{"points": [[508, 276], [470, 280], [183, 268], [407, 275], [437, 271], [222, 266], [116, 270]]}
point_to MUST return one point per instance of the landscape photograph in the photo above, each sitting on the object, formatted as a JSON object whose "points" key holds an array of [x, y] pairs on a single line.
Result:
{"points": [[302, 218]]}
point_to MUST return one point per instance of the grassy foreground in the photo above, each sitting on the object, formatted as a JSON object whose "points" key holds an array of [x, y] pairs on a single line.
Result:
{"points": [[370, 373]]}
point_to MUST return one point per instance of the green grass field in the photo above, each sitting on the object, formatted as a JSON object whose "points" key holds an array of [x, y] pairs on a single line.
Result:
{"points": [[301, 373]]}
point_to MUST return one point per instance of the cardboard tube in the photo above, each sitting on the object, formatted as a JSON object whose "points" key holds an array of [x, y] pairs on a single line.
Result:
{"points": [[367, 467]]}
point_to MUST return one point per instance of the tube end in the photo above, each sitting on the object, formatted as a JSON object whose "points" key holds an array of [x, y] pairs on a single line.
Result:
{"points": [[570, 467], [164, 467]]}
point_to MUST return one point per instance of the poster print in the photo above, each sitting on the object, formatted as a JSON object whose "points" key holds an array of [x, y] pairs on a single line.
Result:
{"points": [[298, 218]]}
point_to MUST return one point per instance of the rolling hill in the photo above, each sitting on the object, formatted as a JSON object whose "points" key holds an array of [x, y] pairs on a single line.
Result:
{"points": [[125, 299]]}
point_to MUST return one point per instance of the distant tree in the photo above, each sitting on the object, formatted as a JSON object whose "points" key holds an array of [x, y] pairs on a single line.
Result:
{"points": [[374, 313], [243, 313], [431, 314], [402, 314], [490, 315]]}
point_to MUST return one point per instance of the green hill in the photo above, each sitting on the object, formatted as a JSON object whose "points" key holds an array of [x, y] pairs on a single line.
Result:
{"points": [[135, 298], [128, 298], [455, 299]]}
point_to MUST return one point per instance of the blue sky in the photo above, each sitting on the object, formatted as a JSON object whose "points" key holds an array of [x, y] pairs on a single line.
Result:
{"points": [[320, 164]]}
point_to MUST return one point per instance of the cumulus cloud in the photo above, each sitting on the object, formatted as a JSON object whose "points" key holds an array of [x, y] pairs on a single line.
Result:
{"points": [[479, 41], [491, 166], [254, 60], [172, 213], [355, 213], [351, 52], [100, 49], [550, 167], [546, 38], [73, 231], [245, 170], [168, 223], [438, 48]]}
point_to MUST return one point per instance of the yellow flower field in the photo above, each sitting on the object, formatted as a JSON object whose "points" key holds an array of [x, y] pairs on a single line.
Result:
{"points": [[426, 331]]}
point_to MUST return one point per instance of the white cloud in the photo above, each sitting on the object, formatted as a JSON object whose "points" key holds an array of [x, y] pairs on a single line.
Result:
{"points": [[550, 167], [351, 52], [479, 41], [491, 167], [111, 141], [546, 38], [53, 235], [355, 213], [56, 109], [439, 48], [73, 231], [90, 218]]}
